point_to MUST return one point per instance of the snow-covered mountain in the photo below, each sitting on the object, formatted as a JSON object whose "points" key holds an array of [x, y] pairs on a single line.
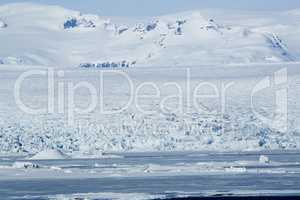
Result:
{"points": [[50, 35]]}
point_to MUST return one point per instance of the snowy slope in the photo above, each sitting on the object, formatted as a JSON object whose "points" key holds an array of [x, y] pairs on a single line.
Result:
{"points": [[51, 35]]}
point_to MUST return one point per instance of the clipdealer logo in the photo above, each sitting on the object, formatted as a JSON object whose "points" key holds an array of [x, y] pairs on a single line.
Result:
{"points": [[279, 84]]}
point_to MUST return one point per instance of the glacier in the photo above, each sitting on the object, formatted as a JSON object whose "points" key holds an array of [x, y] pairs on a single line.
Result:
{"points": [[169, 129]]}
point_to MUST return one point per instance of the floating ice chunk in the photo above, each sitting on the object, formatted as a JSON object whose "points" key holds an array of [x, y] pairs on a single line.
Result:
{"points": [[236, 169], [264, 159], [67, 171], [25, 165], [49, 155], [115, 165], [97, 165], [55, 168], [2, 24], [119, 196]]}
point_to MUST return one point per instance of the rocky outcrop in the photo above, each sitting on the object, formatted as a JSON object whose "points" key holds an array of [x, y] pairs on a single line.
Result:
{"points": [[74, 22], [121, 64]]}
